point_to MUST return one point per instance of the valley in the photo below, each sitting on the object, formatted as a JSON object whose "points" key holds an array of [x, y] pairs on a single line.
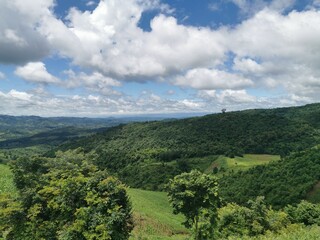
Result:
{"points": [[271, 153]]}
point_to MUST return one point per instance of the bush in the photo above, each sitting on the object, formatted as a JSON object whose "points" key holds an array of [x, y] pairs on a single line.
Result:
{"points": [[67, 198], [253, 220], [305, 212]]}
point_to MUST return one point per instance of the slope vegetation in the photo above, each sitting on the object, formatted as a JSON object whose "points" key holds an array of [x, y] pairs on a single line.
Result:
{"points": [[283, 182], [145, 155]]}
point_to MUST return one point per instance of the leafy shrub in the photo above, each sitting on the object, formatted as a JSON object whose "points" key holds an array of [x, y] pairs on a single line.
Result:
{"points": [[305, 212], [66, 198], [253, 220]]}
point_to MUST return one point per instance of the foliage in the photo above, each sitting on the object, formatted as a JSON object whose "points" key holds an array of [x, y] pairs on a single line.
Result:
{"points": [[283, 182], [255, 219], [305, 212], [195, 195], [292, 232], [139, 150], [68, 198]]}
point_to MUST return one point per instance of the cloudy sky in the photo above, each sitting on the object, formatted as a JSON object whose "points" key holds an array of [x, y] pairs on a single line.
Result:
{"points": [[113, 57]]}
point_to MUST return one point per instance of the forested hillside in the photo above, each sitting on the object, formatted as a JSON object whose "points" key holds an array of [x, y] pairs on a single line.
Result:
{"points": [[147, 154], [29, 135], [283, 182], [266, 161], [15, 127]]}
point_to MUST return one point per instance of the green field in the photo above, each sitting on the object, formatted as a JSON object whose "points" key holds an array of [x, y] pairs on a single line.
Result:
{"points": [[226, 164]]}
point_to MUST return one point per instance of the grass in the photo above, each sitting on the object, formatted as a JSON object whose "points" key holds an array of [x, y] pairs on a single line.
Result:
{"points": [[226, 164], [153, 216], [6, 181]]}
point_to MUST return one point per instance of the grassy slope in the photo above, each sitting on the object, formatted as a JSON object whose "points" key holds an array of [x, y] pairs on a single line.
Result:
{"points": [[153, 216], [241, 163], [6, 183]]}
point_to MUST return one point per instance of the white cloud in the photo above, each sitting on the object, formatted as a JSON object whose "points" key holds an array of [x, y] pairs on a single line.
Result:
{"points": [[235, 96], [109, 40], [251, 7], [95, 82], [22, 103], [2, 75], [84, 79], [213, 7], [36, 102], [91, 3], [202, 78], [228, 96], [286, 47], [36, 72], [19, 95], [20, 41], [271, 49]]}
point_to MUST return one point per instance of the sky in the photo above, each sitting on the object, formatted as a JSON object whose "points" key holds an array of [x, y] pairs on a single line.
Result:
{"points": [[126, 57]]}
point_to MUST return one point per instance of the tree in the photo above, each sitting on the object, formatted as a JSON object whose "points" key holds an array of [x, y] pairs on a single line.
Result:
{"points": [[68, 198], [195, 195], [304, 212], [255, 219]]}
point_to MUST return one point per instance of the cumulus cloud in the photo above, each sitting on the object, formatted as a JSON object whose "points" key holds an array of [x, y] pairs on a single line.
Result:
{"points": [[2, 75], [22, 103], [91, 3], [95, 82], [203, 78], [36, 72], [272, 48], [286, 47], [250, 7], [109, 40], [20, 41], [228, 96]]}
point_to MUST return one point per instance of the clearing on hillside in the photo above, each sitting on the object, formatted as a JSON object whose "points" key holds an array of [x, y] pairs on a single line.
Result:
{"points": [[226, 164], [153, 216]]}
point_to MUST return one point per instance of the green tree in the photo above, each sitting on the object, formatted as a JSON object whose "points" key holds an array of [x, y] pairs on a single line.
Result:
{"points": [[195, 195], [68, 198], [255, 219], [304, 212]]}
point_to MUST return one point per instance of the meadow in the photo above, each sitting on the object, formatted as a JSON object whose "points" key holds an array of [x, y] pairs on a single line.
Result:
{"points": [[227, 164]]}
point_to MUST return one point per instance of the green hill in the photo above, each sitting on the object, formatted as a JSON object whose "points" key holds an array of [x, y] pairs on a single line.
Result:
{"points": [[146, 155], [282, 182]]}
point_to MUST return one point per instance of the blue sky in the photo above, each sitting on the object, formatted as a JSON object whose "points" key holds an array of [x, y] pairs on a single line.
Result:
{"points": [[127, 57]]}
